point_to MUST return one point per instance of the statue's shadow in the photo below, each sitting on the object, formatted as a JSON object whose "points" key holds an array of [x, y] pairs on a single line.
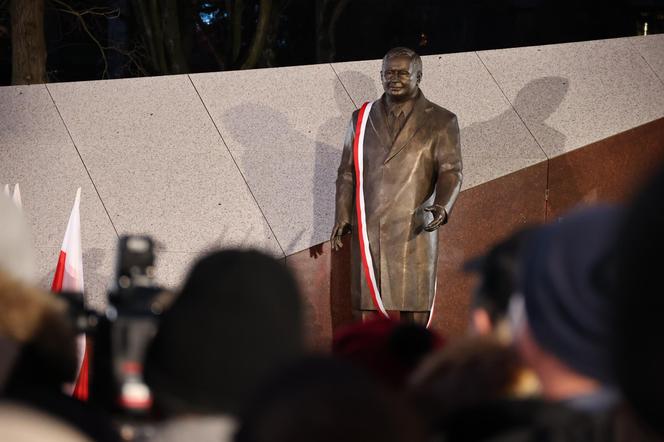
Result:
{"points": [[277, 176], [509, 142]]}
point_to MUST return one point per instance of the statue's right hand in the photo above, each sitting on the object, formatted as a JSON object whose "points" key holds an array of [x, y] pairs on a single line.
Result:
{"points": [[340, 229]]}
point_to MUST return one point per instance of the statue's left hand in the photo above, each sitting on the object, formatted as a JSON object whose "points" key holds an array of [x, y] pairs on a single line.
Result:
{"points": [[439, 217]]}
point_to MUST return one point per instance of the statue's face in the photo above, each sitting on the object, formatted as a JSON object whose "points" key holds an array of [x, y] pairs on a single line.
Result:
{"points": [[399, 79]]}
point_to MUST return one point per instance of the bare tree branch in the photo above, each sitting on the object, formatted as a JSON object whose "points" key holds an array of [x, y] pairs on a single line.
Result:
{"points": [[133, 56], [99, 11], [102, 11]]}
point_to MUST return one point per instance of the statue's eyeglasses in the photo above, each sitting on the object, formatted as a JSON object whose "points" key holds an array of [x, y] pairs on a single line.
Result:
{"points": [[402, 75]]}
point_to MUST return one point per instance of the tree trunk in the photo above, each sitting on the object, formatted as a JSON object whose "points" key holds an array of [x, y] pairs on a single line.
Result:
{"points": [[322, 45], [236, 29], [158, 31], [258, 43], [28, 43], [332, 28], [142, 15], [172, 39]]}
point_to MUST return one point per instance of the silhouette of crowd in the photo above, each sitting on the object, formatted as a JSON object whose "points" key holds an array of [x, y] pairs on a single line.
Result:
{"points": [[562, 345]]}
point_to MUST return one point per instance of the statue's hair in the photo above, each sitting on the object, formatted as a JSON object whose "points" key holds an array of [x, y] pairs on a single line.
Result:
{"points": [[415, 59]]}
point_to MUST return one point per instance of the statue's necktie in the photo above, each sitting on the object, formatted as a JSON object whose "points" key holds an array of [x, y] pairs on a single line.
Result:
{"points": [[396, 123]]}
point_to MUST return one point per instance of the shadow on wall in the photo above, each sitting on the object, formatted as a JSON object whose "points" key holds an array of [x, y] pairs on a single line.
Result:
{"points": [[535, 103], [275, 154], [490, 144], [271, 164]]}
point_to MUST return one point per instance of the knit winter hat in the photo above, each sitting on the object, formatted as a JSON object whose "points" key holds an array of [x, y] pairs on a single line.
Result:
{"points": [[236, 320], [566, 289]]}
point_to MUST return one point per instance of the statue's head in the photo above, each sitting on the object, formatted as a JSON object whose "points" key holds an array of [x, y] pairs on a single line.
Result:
{"points": [[401, 73]]}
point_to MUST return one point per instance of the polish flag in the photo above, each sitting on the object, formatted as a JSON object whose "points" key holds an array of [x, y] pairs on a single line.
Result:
{"points": [[69, 277]]}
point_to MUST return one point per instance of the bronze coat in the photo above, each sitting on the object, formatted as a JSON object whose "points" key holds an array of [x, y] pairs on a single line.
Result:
{"points": [[422, 166]]}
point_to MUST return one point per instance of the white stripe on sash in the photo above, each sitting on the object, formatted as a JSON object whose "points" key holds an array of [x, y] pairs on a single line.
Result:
{"points": [[367, 261]]}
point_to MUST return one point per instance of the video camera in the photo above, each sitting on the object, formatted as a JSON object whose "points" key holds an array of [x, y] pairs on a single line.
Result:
{"points": [[121, 334]]}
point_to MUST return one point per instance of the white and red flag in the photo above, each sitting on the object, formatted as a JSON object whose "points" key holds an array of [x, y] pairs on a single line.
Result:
{"points": [[6, 191], [69, 277]]}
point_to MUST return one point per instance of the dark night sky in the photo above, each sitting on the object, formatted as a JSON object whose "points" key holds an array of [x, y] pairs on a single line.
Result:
{"points": [[455, 26]]}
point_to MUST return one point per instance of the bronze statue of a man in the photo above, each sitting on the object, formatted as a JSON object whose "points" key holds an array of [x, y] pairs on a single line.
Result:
{"points": [[410, 177]]}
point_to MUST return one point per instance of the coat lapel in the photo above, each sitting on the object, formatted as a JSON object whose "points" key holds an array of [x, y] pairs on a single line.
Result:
{"points": [[378, 121], [413, 123]]}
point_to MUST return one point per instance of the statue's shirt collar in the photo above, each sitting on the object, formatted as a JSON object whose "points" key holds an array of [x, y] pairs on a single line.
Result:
{"points": [[397, 109]]}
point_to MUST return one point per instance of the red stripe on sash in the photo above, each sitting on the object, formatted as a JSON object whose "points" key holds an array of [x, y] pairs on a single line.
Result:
{"points": [[359, 202]]}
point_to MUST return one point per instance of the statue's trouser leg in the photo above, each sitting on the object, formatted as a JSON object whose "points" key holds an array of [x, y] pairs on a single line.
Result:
{"points": [[357, 315], [366, 315], [420, 318]]}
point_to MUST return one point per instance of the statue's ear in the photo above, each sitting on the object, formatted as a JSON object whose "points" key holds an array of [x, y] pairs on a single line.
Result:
{"points": [[419, 77]]}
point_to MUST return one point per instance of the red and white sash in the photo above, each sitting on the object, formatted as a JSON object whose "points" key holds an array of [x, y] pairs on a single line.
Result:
{"points": [[358, 156], [365, 252]]}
